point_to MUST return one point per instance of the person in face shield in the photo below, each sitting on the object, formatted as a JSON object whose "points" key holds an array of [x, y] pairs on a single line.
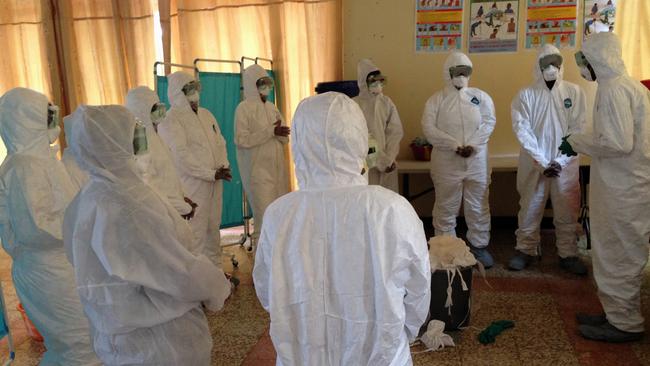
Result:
{"points": [[541, 115], [77, 176], [619, 147], [35, 190], [384, 125], [458, 122], [157, 166], [199, 153], [260, 136], [357, 254], [141, 289]]}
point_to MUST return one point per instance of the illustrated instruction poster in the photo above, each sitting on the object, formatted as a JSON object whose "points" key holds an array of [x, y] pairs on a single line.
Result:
{"points": [[493, 26], [439, 25], [551, 21], [599, 16]]}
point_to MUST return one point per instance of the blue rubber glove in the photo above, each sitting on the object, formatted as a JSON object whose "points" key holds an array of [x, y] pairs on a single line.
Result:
{"points": [[566, 148]]}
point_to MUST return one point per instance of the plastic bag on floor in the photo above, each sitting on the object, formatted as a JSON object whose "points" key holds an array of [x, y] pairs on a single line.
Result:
{"points": [[449, 252]]}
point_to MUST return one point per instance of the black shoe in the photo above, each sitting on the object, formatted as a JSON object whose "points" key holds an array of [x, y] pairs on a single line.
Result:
{"points": [[573, 265], [520, 261], [591, 319], [608, 333]]}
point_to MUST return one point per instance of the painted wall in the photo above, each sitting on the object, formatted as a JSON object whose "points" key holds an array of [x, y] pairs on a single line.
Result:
{"points": [[383, 30]]}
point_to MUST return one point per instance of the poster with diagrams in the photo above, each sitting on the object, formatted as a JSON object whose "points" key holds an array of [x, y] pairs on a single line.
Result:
{"points": [[551, 21], [439, 25], [493, 26], [598, 16]]}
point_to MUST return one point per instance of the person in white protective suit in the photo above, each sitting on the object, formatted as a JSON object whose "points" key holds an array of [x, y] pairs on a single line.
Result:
{"points": [[35, 190], [342, 267], [260, 136], [141, 289], [458, 122], [78, 176], [542, 114], [199, 153], [156, 165], [384, 124], [619, 194]]}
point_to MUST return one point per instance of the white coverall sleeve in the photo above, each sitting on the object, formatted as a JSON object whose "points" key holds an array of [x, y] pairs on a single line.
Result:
{"points": [[436, 137], [262, 269], [613, 132], [523, 129], [149, 254], [575, 123], [174, 135], [418, 285], [488, 122], [394, 134], [245, 137], [278, 117]]}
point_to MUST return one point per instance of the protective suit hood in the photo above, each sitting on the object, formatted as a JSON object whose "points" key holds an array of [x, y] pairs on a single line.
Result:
{"points": [[139, 101], [330, 142], [175, 93], [546, 50], [604, 53], [102, 142], [364, 67], [251, 75], [23, 122], [454, 59]]}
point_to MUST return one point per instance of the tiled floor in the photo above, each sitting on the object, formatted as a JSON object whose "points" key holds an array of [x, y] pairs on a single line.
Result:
{"points": [[541, 301]]}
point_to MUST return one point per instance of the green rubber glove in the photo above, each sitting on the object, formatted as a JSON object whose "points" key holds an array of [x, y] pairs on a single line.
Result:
{"points": [[566, 148]]}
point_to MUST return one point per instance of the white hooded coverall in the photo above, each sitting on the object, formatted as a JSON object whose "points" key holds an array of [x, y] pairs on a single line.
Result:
{"points": [[454, 118], [540, 118], [141, 289], [260, 153], [383, 124], [35, 190], [342, 267], [619, 189], [157, 165], [198, 150], [77, 176]]}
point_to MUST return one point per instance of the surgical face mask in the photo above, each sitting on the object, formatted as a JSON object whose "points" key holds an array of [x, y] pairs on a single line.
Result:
{"points": [[265, 90], [158, 113], [587, 74], [193, 97], [140, 145], [551, 73], [376, 87], [460, 82]]}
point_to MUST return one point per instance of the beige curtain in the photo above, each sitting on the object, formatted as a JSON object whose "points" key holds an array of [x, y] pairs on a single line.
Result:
{"points": [[302, 37], [108, 48], [633, 26]]}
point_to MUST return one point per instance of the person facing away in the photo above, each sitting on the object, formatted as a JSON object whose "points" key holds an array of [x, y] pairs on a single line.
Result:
{"points": [[342, 267], [157, 165], [542, 114], [619, 194], [199, 152], [35, 190], [384, 124], [458, 121], [260, 136], [141, 288], [77, 176]]}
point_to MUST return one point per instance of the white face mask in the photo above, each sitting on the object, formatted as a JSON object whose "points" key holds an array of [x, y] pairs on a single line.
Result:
{"points": [[460, 81], [53, 134], [265, 90], [551, 73], [157, 116], [193, 97], [585, 73], [376, 88]]}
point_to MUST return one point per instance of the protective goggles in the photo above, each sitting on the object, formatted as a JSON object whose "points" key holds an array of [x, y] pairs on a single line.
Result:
{"points": [[192, 87], [462, 70], [265, 81], [376, 78], [581, 60], [140, 145], [53, 113], [550, 60]]}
